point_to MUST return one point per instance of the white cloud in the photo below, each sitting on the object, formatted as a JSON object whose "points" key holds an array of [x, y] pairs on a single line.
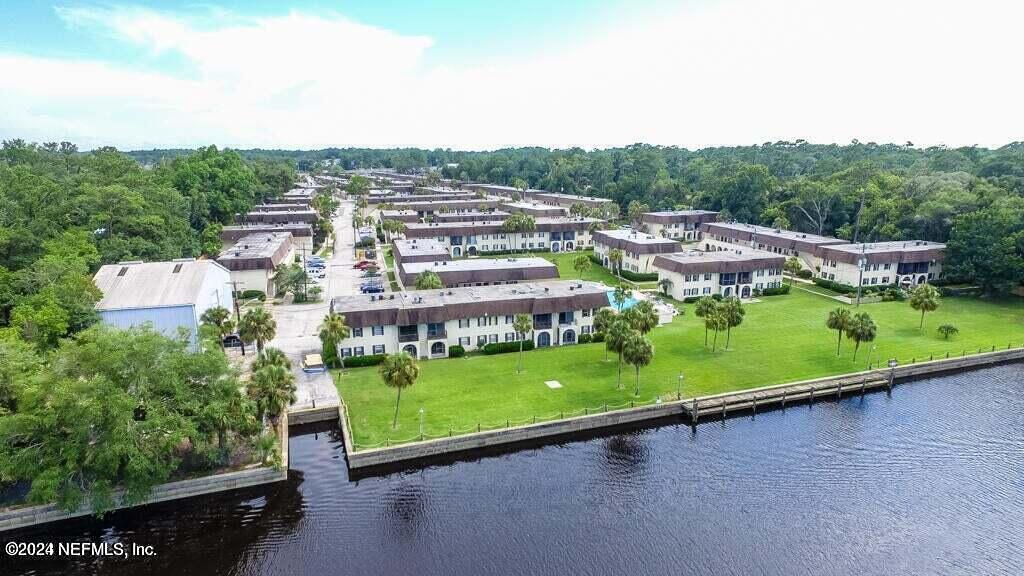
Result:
{"points": [[734, 72]]}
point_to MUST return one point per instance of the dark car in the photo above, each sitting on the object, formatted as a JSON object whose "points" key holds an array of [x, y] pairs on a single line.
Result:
{"points": [[372, 289]]}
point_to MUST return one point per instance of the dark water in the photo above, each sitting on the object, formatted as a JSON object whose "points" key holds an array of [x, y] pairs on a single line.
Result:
{"points": [[929, 481]]}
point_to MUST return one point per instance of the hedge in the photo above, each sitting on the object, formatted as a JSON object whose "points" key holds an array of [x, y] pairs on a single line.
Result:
{"points": [[250, 294], [586, 339], [779, 291], [692, 299], [456, 351], [595, 259], [805, 274], [835, 286], [597, 337], [366, 243], [505, 347], [519, 252], [638, 277], [367, 360]]}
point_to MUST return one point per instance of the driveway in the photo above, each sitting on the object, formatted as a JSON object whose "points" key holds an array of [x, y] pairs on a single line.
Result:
{"points": [[298, 325]]}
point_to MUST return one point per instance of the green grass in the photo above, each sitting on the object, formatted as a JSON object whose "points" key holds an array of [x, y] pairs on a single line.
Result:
{"points": [[782, 339]]}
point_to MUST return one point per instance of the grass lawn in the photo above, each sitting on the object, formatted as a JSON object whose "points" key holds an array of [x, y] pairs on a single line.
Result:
{"points": [[782, 339]]}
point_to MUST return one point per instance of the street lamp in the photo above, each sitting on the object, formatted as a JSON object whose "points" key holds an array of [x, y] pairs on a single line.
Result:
{"points": [[871, 351], [892, 371], [679, 386], [421, 423]]}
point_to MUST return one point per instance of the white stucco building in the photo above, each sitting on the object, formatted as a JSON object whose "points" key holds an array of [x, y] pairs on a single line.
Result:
{"points": [[729, 235], [426, 323], [481, 237], [905, 262], [638, 249], [742, 273], [253, 258], [682, 225]]}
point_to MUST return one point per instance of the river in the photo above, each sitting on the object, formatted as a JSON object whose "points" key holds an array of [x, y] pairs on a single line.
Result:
{"points": [[927, 481]]}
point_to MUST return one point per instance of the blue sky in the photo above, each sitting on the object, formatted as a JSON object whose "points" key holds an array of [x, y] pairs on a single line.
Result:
{"points": [[480, 75]]}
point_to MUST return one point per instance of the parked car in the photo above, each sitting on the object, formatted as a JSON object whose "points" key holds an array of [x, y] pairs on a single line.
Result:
{"points": [[314, 266], [363, 264], [374, 289], [370, 273]]}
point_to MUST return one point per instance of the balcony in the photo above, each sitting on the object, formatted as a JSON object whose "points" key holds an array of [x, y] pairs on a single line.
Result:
{"points": [[545, 325], [409, 337], [436, 334]]}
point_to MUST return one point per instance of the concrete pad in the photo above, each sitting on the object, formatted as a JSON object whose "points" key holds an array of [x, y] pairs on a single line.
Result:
{"points": [[553, 384]]}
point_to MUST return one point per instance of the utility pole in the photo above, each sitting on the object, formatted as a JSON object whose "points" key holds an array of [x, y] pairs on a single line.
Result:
{"points": [[305, 273], [861, 263], [238, 315]]}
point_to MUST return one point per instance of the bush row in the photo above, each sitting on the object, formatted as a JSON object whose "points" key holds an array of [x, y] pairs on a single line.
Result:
{"points": [[456, 351], [638, 276], [367, 360], [779, 291], [505, 347]]}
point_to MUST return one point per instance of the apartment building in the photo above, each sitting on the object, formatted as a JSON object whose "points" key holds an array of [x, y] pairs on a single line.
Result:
{"points": [[304, 216], [471, 238], [470, 216], [535, 209], [741, 273], [683, 225], [480, 271], [638, 249], [426, 323], [542, 196], [302, 234], [253, 258], [407, 216], [906, 263], [418, 250], [730, 235]]}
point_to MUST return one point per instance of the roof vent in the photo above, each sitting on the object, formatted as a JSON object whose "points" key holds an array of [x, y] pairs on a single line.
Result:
{"points": [[122, 271], [177, 268]]}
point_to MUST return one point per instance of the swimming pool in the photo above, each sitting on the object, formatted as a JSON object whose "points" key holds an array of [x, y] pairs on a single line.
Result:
{"points": [[629, 303]]}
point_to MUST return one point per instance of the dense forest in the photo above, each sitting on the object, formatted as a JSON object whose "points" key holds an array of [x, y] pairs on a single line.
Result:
{"points": [[970, 197]]}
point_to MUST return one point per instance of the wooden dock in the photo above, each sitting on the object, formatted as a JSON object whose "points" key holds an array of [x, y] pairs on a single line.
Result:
{"points": [[722, 405]]}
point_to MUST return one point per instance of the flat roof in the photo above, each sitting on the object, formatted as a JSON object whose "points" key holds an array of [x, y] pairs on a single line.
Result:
{"points": [[296, 228], [423, 306], [634, 237], [526, 205], [258, 245], [765, 231], [891, 246], [720, 261], [420, 248], [475, 264], [569, 196], [129, 285], [882, 252]]}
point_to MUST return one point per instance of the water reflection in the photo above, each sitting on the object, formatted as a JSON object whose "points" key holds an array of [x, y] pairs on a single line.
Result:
{"points": [[900, 485]]}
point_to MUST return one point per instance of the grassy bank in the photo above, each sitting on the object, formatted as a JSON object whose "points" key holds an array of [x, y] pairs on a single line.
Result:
{"points": [[782, 339]]}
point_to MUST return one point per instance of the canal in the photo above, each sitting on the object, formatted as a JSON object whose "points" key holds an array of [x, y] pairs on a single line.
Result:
{"points": [[928, 481]]}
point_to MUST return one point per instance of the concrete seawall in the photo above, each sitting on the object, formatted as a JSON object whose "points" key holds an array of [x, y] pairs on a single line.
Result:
{"points": [[820, 388], [254, 475]]}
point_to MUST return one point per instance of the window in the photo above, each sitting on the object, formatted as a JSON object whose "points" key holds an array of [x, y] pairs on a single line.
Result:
{"points": [[481, 340], [510, 336], [707, 276], [346, 352], [358, 351], [585, 330], [493, 338], [378, 349], [887, 265], [378, 330], [707, 290], [357, 332], [586, 312], [464, 341], [508, 319], [464, 323], [885, 279]]}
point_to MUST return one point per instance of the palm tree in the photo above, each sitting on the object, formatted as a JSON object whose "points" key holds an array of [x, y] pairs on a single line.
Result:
{"points": [[615, 258], [861, 329], [839, 320], [948, 330], [397, 227], [217, 317], [399, 371], [271, 357], [924, 298], [511, 225], [733, 311], [522, 324], [792, 266], [642, 317], [615, 339], [716, 321], [258, 325], [581, 263], [428, 280], [666, 285], [638, 351], [705, 306], [621, 294], [273, 389], [332, 331], [602, 321]]}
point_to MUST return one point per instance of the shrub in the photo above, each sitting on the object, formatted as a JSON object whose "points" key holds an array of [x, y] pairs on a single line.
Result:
{"points": [[586, 339], [892, 295], [366, 243], [595, 259], [516, 252], [805, 274], [250, 294], [505, 347], [778, 291], [597, 337], [638, 277], [367, 360], [835, 286], [456, 351], [691, 299]]}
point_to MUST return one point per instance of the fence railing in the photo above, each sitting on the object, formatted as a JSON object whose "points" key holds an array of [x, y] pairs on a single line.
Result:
{"points": [[587, 410]]}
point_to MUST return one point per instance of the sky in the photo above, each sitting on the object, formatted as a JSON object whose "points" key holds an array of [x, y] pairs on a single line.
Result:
{"points": [[477, 75]]}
